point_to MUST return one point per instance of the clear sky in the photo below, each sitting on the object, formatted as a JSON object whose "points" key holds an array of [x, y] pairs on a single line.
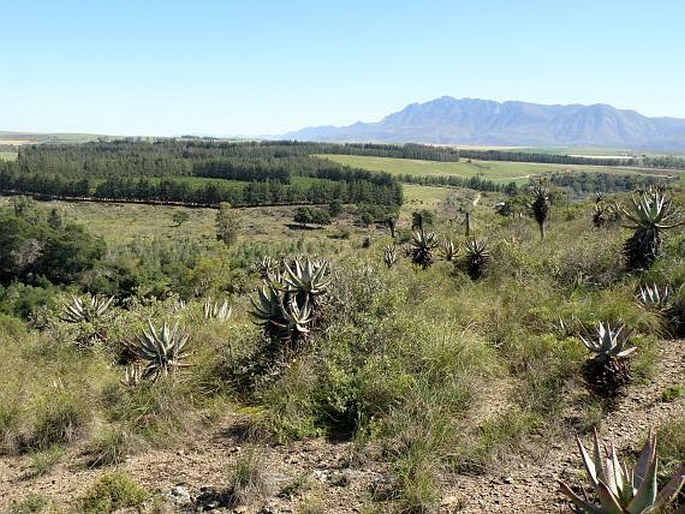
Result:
{"points": [[166, 67]]}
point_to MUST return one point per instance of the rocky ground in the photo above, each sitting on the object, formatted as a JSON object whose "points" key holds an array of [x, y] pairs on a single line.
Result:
{"points": [[323, 476]]}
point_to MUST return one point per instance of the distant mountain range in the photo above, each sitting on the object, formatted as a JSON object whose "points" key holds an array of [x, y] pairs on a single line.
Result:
{"points": [[449, 120]]}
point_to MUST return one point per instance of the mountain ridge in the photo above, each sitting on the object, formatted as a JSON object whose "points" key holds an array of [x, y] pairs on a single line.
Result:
{"points": [[447, 120]]}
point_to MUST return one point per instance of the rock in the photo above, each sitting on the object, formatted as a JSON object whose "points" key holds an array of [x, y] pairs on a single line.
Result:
{"points": [[270, 508], [179, 495], [340, 478]]}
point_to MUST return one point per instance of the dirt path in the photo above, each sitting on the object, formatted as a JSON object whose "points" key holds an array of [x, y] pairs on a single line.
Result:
{"points": [[333, 481]]}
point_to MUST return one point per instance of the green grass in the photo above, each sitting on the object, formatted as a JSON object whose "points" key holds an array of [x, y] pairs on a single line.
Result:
{"points": [[497, 171], [8, 156], [112, 492], [429, 372], [419, 197]]}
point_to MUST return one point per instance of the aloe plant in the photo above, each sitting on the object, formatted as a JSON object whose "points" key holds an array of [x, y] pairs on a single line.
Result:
{"points": [[264, 267], [651, 215], [162, 351], [87, 309], [390, 255], [448, 249], [306, 278], [621, 490], [422, 246], [540, 207], [651, 297], [216, 310], [267, 310], [476, 259], [608, 372]]}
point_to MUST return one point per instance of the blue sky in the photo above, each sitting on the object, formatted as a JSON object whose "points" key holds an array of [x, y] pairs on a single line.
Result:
{"points": [[227, 68]]}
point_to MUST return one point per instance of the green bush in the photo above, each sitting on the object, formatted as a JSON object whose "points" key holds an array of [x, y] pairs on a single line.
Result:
{"points": [[60, 419], [111, 492], [32, 504]]}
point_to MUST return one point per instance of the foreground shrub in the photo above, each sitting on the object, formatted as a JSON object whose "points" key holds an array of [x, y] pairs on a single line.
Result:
{"points": [[250, 480], [62, 419], [111, 492]]}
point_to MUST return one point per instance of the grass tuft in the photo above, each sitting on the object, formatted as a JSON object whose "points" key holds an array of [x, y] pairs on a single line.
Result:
{"points": [[111, 492]]}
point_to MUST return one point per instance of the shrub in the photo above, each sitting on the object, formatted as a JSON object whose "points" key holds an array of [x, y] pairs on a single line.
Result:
{"points": [[42, 462], [61, 419], [250, 480], [32, 504], [111, 492], [109, 445]]}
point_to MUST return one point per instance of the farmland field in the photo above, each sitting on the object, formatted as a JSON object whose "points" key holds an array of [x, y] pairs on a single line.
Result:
{"points": [[497, 171]]}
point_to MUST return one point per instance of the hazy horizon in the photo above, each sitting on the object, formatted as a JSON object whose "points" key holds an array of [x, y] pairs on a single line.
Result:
{"points": [[227, 69]]}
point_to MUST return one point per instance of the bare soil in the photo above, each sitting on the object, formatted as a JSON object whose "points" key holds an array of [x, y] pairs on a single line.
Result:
{"points": [[327, 476]]}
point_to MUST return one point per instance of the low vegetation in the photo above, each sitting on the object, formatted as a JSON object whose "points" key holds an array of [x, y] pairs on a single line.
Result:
{"points": [[435, 353]]}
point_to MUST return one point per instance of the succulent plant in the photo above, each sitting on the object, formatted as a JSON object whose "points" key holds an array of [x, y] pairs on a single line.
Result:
{"points": [[281, 315], [476, 259], [390, 255], [651, 297], [268, 310], [621, 490], [86, 309], [161, 351], [289, 305], [668, 304], [608, 373], [567, 327], [216, 310], [132, 376], [652, 213], [540, 206], [448, 249], [297, 318], [306, 278], [422, 246], [264, 267], [599, 215], [178, 305]]}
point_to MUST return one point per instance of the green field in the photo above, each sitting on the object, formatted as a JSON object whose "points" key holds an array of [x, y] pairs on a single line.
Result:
{"points": [[497, 171], [121, 222], [594, 151], [8, 156]]}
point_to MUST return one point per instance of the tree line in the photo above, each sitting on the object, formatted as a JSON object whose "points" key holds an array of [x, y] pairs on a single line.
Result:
{"points": [[170, 170], [584, 182], [476, 182]]}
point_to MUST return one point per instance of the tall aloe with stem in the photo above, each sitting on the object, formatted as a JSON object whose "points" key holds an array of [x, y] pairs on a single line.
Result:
{"points": [[540, 208], [422, 246], [287, 307], [608, 372], [476, 258], [652, 213]]}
